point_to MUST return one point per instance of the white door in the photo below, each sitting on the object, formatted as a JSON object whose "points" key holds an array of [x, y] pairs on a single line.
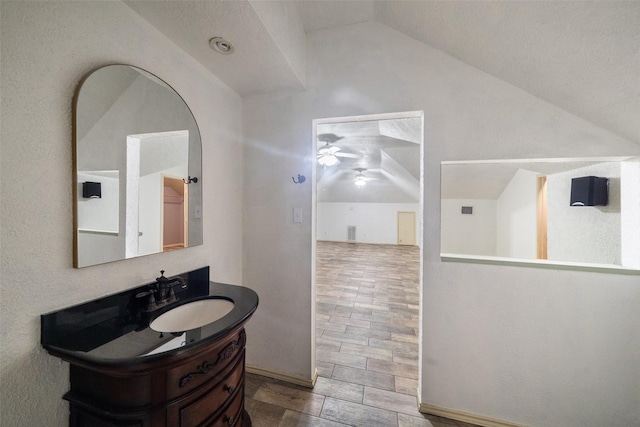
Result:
{"points": [[407, 228]]}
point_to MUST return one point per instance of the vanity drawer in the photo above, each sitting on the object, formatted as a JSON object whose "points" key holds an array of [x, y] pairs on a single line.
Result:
{"points": [[231, 389], [232, 414], [206, 367]]}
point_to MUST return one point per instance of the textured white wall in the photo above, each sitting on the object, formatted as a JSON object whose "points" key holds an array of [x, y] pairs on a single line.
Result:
{"points": [[534, 346], [583, 233], [473, 234], [516, 215], [47, 47], [374, 222], [284, 26]]}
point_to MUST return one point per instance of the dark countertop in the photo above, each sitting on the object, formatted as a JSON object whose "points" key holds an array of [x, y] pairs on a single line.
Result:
{"points": [[114, 330]]}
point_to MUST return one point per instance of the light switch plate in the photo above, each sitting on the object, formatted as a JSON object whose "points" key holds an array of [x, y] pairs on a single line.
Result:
{"points": [[297, 215]]}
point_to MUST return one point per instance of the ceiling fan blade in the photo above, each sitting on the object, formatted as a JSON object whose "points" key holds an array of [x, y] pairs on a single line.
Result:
{"points": [[349, 155], [328, 151], [327, 159], [333, 162]]}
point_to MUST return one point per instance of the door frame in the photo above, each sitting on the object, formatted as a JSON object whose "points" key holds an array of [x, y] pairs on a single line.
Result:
{"points": [[541, 217], [314, 222]]}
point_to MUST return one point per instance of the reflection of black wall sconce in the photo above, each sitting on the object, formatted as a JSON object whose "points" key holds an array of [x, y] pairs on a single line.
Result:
{"points": [[91, 190], [190, 180], [300, 180]]}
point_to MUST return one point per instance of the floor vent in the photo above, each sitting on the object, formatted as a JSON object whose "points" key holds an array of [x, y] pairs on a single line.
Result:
{"points": [[351, 233]]}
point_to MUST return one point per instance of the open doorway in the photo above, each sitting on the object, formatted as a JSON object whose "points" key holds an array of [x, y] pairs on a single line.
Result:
{"points": [[175, 213], [367, 242], [151, 159]]}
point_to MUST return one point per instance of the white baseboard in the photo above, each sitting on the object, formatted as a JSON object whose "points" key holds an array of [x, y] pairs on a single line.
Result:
{"points": [[309, 383], [464, 416]]}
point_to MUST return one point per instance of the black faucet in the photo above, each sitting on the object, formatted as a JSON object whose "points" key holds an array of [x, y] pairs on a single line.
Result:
{"points": [[164, 290]]}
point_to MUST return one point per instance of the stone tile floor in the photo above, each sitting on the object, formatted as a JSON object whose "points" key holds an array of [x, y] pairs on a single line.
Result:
{"points": [[366, 346]]}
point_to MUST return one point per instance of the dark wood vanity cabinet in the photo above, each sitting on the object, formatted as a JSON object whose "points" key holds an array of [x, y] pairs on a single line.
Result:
{"points": [[123, 373], [199, 387]]}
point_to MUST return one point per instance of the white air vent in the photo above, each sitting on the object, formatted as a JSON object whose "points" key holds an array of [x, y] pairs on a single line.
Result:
{"points": [[351, 233]]}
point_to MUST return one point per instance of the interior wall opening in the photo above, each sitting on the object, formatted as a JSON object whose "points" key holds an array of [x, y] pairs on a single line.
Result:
{"points": [[367, 250]]}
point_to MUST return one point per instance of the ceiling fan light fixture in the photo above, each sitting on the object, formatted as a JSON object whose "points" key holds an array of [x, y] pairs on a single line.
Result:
{"points": [[325, 151], [360, 181], [328, 160]]}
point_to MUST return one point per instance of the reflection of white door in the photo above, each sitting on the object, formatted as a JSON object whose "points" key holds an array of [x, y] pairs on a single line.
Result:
{"points": [[407, 228], [149, 214]]}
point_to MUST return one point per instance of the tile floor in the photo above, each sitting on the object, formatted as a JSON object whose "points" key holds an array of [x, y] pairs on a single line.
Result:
{"points": [[367, 346]]}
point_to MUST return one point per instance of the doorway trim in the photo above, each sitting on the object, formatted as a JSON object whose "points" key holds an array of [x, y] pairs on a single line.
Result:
{"points": [[314, 223], [541, 217]]}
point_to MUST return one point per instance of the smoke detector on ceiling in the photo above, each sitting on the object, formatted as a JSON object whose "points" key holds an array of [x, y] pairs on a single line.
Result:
{"points": [[221, 45]]}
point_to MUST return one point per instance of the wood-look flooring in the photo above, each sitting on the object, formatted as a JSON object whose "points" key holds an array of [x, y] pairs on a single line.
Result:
{"points": [[367, 304]]}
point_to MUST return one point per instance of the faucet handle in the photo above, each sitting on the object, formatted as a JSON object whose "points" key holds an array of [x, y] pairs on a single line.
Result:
{"points": [[145, 293], [151, 302], [151, 305], [172, 295]]}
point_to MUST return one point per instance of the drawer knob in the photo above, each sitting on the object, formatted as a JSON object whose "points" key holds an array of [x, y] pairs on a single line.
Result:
{"points": [[228, 388], [229, 420]]}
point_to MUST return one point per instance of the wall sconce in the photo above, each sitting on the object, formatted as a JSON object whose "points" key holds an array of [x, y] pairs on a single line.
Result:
{"points": [[190, 180], [91, 190], [589, 191]]}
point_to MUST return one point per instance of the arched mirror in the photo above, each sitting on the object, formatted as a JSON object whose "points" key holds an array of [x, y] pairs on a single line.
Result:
{"points": [[138, 165]]}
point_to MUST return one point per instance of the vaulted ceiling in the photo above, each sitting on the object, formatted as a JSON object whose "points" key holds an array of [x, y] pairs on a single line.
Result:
{"points": [[583, 57], [383, 154]]}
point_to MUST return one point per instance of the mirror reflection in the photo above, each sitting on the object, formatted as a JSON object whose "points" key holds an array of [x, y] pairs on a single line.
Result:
{"points": [[543, 211], [138, 159]]}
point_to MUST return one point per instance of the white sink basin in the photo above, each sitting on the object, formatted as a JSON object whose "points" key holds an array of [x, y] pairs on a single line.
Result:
{"points": [[192, 315]]}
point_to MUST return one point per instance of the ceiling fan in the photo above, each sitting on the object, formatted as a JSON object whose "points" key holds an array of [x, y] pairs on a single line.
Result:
{"points": [[327, 154], [361, 180]]}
